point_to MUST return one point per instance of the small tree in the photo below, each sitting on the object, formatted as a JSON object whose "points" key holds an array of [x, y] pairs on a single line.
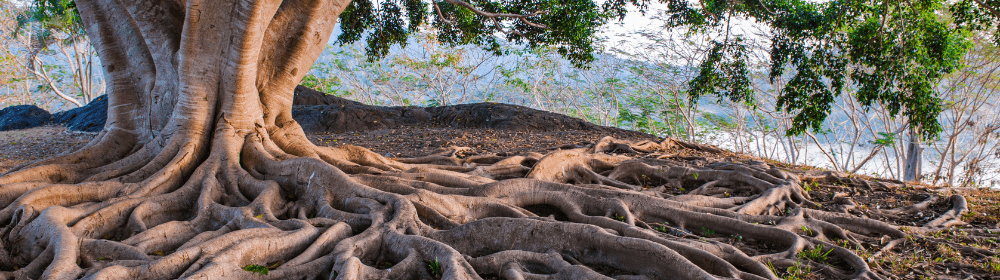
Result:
{"points": [[55, 23], [13, 77]]}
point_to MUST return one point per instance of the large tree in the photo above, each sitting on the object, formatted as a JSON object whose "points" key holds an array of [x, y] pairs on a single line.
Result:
{"points": [[202, 172]]}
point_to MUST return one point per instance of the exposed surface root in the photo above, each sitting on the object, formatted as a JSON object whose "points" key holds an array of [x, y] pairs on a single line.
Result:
{"points": [[611, 209]]}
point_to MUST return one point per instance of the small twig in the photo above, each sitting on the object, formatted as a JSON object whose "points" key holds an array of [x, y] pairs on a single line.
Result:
{"points": [[505, 31], [888, 247], [765, 7]]}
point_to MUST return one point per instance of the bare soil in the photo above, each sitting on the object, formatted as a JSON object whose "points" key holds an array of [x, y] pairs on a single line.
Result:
{"points": [[18, 147], [421, 141]]}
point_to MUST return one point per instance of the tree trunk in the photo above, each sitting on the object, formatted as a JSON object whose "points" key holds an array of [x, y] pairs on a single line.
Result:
{"points": [[201, 172], [914, 158]]}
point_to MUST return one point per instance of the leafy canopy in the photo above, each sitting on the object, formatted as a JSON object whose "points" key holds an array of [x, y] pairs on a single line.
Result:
{"points": [[51, 16], [891, 53], [887, 52], [569, 25]]}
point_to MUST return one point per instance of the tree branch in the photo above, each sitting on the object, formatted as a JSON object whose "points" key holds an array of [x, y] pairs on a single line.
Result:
{"points": [[441, 16], [991, 9], [705, 7], [523, 18]]}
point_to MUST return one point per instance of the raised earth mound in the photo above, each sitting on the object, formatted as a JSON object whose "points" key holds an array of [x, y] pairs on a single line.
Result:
{"points": [[317, 112], [471, 191]]}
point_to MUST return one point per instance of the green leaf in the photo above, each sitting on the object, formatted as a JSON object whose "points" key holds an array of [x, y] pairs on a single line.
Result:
{"points": [[256, 269], [435, 267]]}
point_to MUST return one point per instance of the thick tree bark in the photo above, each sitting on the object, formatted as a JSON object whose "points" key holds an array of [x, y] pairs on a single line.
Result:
{"points": [[914, 158], [201, 171]]}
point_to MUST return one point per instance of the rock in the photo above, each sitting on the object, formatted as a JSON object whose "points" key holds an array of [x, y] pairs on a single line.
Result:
{"points": [[305, 96], [356, 117], [506, 116], [23, 116], [90, 117], [319, 112]]}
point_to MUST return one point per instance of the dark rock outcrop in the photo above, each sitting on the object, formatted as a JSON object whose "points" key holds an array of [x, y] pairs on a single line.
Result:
{"points": [[336, 118], [90, 117], [305, 96], [23, 116], [318, 112], [506, 116]]}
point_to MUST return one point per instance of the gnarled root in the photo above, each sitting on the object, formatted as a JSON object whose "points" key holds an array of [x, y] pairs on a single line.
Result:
{"points": [[317, 212]]}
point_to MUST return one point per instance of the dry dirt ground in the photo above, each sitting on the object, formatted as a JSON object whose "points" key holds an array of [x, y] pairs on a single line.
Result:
{"points": [[18, 147], [945, 254]]}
